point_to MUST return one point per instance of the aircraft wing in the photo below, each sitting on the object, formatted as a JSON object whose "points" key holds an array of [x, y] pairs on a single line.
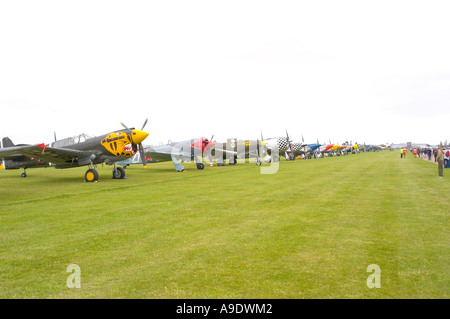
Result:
{"points": [[12, 157], [58, 156], [225, 151], [158, 157], [164, 153]]}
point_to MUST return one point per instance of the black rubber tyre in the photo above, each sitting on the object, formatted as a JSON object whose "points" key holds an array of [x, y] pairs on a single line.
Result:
{"points": [[119, 173], [91, 176]]}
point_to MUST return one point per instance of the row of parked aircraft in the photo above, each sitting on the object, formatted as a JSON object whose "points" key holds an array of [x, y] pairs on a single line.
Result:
{"points": [[124, 147]]}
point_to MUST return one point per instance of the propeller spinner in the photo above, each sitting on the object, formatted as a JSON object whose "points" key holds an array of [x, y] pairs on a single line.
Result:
{"points": [[137, 137]]}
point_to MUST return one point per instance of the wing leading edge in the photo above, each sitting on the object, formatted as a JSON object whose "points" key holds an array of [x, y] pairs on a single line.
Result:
{"points": [[57, 156]]}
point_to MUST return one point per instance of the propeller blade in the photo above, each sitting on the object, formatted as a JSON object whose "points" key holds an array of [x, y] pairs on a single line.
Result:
{"points": [[145, 123], [289, 143], [258, 145], [54, 134], [142, 154], [126, 127]]}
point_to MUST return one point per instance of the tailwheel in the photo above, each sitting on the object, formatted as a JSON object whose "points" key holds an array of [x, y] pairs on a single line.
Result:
{"points": [[23, 174], [91, 175], [118, 173]]}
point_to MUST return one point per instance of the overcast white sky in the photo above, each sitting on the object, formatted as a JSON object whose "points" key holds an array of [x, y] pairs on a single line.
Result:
{"points": [[366, 71]]}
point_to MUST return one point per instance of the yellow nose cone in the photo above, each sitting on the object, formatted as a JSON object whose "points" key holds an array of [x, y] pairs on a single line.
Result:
{"points": [[138, 136], [263, 143]]}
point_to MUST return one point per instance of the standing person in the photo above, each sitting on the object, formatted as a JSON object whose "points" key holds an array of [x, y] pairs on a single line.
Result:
{"points": [[447, 158], [401, 153], [440, 161], [404, 152], [415, 152], [429, 154], [435, 151]]}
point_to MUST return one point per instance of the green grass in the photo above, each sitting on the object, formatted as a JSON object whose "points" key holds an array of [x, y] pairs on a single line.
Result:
{"points": [[309, 231]]}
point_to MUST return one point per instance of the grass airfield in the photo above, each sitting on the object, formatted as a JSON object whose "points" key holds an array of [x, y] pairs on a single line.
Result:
{"points": [[309, 231]]}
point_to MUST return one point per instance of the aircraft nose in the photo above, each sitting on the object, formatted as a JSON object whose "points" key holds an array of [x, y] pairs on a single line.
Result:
{"points": [[138, 136], [263, 143], [210, 145]]}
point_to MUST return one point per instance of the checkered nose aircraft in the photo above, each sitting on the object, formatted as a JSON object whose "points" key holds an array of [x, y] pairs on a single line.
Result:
{"points": [[109, 148], [282, 146]]}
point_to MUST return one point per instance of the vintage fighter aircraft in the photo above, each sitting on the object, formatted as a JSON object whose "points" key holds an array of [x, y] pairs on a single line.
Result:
{"points": [[348, 147], [81, 151], [177, 152], [325, 150], [336, 149], [356, 148], [236, 150], [310, 150], [286, 147]]}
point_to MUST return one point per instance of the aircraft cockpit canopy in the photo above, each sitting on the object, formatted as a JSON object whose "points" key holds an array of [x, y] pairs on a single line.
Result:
{"points": [[71, 140]]}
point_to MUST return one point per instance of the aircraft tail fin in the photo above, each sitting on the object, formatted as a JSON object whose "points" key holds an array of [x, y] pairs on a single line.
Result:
{"points": [[6, 142]]}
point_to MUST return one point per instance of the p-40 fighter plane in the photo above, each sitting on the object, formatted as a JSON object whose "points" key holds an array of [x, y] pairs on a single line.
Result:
{"points": [[71, 152]]}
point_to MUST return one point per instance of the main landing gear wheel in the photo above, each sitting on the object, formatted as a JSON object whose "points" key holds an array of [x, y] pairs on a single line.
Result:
{"points": [[119, 173], [23, 175], [91, 176], [258, 163], [200, 166]]}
